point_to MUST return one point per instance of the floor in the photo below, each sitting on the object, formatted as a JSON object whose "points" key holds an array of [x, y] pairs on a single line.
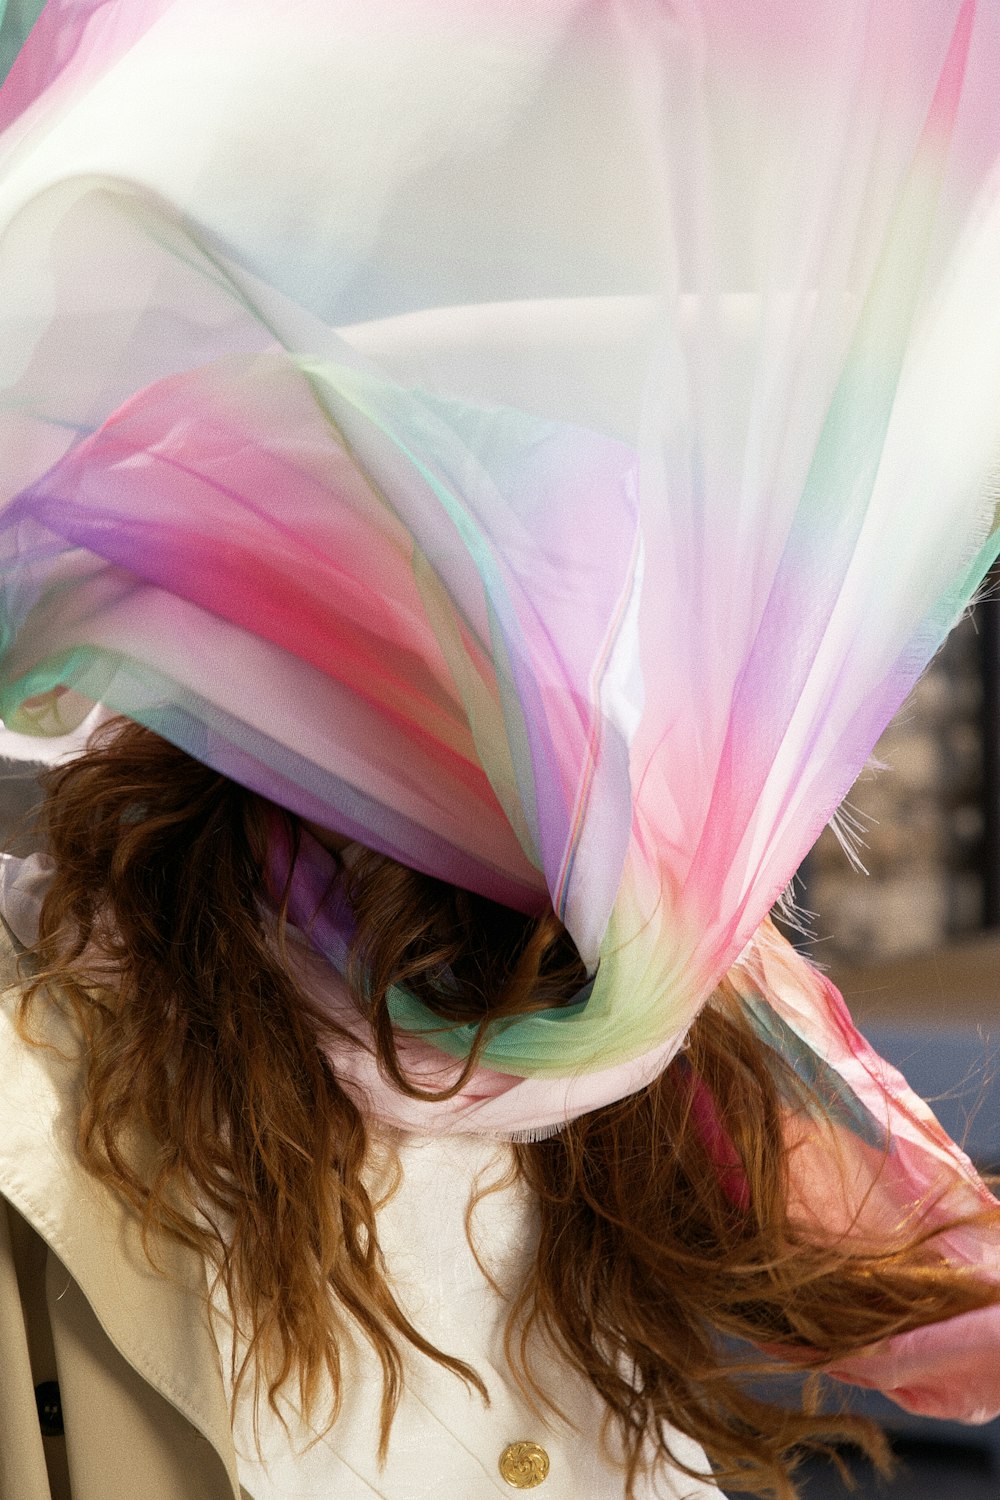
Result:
{"points": [[925, 1471]]}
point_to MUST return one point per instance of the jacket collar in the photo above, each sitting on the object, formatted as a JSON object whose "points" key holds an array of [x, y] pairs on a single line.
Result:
{"points": [[156, 1319]]}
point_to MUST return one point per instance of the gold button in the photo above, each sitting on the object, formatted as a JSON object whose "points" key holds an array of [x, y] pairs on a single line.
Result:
{"points": [[524, 1465]]}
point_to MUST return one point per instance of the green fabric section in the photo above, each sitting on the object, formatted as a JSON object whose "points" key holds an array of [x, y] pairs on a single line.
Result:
{"points": [[840, 1104], [506, 1034], [16, 20]]}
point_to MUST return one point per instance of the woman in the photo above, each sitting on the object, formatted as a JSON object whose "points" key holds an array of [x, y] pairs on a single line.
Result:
{"points": [[504, 488]]}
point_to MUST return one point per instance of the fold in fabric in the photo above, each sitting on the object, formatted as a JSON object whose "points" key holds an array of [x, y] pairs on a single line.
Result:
{"points": [[542, 443]]}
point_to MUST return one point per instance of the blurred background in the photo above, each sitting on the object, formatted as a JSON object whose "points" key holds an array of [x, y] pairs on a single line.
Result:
{"points": [[928, 829]]}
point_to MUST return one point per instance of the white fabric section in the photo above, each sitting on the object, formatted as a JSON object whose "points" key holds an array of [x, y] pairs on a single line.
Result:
{"points": [[444, 1441]]}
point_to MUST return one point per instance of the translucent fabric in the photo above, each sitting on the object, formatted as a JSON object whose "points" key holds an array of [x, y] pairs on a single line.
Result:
{"points": [[542, 441]]}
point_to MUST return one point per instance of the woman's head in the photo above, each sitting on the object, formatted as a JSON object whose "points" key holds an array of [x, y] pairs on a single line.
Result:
{"points": [[162, 930], [664, 1217]]}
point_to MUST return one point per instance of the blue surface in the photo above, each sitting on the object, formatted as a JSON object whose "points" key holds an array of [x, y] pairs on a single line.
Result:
{"points": [[924, 1472], [958, 1071]]}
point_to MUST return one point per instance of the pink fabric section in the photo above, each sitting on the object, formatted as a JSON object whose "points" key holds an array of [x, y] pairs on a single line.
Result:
{"points": [[867, 1187], [72, 42], [905, 1179], [719, 1146], [950, 1370]]}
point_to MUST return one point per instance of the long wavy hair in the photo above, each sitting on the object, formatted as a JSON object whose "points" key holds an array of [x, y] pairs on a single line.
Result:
{"points": [[650, 1273]]}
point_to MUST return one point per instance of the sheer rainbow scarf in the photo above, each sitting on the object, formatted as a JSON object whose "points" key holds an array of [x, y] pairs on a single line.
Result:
{"points": [[543, 441]]}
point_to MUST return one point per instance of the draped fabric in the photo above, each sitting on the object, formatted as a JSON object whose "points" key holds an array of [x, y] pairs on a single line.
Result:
{"points": [[541, 442]]}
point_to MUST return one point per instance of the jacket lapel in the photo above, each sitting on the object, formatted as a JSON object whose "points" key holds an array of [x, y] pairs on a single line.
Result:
{"points": [[156, 1319]]}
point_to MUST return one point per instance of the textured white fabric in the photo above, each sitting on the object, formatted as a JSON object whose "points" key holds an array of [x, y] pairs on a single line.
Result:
{"points": [[444, 1442]]}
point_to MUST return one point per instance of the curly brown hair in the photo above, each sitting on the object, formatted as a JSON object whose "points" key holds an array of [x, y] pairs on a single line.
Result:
{"points": [[650, 1273]]}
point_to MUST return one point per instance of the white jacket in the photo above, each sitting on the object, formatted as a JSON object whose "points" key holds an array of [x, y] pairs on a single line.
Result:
{"points": [[136, 1354]]}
